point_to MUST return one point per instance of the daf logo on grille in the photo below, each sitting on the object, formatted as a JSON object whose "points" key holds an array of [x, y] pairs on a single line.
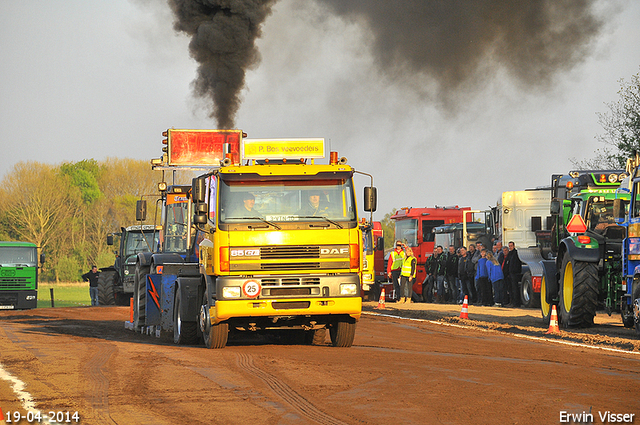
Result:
{"points": [[330, 251]]}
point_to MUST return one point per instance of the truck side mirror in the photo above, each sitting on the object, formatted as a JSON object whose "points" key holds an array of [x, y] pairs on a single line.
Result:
{"points": [[555, 207], [200, 214], [370, 199], [618, 209], [141, 210], [42, 258], [109, 239], [198, 190], [380, 244], [536, 224]]}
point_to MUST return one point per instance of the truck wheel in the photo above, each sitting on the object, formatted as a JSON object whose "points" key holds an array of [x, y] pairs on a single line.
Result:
{"points": [[140, 296], [215, 336], [545, 307], [529, 298], [185, 332], [315, 336], [343, 333], [106, 283], [578, 293]]}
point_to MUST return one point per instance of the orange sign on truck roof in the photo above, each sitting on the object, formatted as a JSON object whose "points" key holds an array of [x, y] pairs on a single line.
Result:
{"points": [[201, 147]]}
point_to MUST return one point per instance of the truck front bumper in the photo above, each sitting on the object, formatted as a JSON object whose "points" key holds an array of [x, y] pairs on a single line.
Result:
{"points": [[307, 307]]}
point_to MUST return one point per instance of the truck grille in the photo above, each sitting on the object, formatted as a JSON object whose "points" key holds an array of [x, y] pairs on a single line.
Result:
{"points": [[290, 305], [291, 252], [13, 282], [298, 292], [290, 266], [290, 281]]}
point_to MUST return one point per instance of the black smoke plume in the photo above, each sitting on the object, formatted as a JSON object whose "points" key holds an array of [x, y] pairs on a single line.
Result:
{"points": [[454, 42], [223, 43]]}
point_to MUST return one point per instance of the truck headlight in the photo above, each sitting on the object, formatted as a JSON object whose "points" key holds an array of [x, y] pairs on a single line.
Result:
{"points": [[126, 272], [367, 276], [231, 292], [348, 289]]}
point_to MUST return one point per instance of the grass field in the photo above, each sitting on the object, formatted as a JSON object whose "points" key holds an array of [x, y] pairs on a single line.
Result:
{"points": [[65, 294]]}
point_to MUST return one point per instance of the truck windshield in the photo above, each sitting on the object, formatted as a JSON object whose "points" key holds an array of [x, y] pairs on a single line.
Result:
{"points": [[327, 200], [136, 242], [18, 256], [407, 231]]}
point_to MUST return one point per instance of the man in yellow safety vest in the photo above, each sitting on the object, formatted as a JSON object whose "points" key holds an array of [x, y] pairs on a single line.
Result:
{"points": [[394, 266]]}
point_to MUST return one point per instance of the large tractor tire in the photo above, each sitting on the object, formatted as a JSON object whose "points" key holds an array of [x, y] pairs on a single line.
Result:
{"points": [[635, 306], [578, 293], [342, 333], [106, 287], [185, 332], [215, 336], [545, 307], [529, 298], [140, 296]]}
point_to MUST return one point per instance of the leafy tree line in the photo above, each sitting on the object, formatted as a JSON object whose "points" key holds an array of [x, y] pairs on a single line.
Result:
{"points": [[68, 209], [621, 124]]}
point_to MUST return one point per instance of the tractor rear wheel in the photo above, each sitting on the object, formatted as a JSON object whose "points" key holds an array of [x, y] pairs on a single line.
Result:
{"points": [[106, 284], [578, 293]]}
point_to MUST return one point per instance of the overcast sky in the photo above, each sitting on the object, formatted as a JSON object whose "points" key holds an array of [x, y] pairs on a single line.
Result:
{"points": [[94, 79]]}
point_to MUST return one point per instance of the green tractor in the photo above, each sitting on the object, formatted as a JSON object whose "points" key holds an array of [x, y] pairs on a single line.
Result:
{"points": [[116, 283], [586, 274]]}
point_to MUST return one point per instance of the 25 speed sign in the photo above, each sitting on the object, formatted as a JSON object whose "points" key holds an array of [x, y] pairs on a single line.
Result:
{"points": [[251, 288]]}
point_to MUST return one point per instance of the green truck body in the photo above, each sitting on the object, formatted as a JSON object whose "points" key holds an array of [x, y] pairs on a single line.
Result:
{"points": [[18, 275]]}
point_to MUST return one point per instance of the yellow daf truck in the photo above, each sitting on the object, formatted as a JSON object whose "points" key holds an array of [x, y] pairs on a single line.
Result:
{"points": [[270, 243], [279, 243]]}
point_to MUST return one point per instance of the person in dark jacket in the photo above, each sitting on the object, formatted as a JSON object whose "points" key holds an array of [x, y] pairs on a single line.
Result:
{"points": [[440, 272], [92, 277], [451, 267], [430, 266], [515, 274], [465, 274], [506, 292]]}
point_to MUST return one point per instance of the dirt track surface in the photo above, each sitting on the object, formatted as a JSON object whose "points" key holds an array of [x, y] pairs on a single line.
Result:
{"points": [[399, 371]]}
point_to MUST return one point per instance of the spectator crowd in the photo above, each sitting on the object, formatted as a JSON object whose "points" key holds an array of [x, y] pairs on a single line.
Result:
{"points": [[487, 276]]}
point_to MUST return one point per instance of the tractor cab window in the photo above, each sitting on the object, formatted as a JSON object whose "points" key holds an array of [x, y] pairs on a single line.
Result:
{"points": [[635, 210], [599, 214], [140, 242], [175, 229]]}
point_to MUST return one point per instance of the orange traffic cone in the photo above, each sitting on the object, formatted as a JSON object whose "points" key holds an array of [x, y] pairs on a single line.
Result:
{"points": [[553, 322], [464, 313], [381, 300]]}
